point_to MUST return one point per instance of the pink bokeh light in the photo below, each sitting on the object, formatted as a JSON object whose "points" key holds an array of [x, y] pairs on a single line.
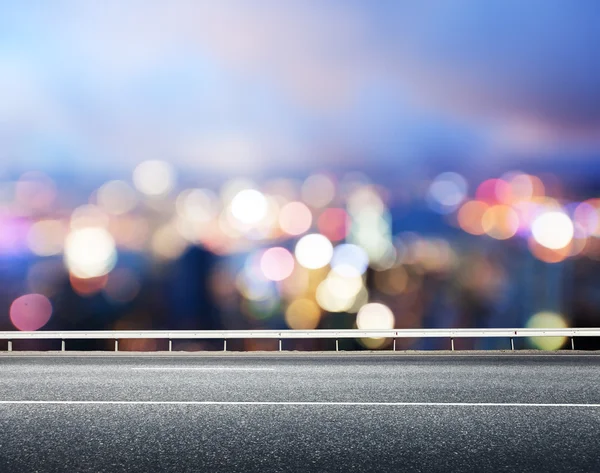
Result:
{"points": [[30, 312], [277, 263]]}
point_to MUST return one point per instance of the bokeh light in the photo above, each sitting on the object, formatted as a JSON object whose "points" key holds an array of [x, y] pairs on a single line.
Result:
{"points": [[168, 243], [87, 287], [249, 206], [295, 218], [349, 260], [154, 178], [393, 281], [470, 217], [197, 205], [116, 197], [553, 230], [30, 312], [543, 320], [375, 316], [318, 190], [277, 263], [333, 296], [587, 215], [46, 237], [314, 251], [90, 252], [89, 215], [447, 192], [500, 222], [333, 223], [303, 314]]}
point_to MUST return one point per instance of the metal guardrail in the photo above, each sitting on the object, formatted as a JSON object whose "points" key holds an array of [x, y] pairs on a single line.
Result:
{"points": [[225, 335]]}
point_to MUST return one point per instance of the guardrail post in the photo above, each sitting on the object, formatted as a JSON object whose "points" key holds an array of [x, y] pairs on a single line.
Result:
{"points": [[170, 345], [337, 346], [572, 343], [452, 343], [280, 344], [116, 345], [394, 345], [225, 344], [62, 345], [512, 343], [10, 345]]}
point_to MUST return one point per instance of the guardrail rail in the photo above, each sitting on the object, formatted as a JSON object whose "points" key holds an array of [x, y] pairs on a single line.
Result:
{"points": [[509, 333]]}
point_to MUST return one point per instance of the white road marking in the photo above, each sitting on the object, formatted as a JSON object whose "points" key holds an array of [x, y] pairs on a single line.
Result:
{"points": [[301, 403], [198, 368]]}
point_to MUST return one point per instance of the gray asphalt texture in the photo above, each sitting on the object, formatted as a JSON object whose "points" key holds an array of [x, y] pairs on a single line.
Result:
{"points": [[305, 438]]}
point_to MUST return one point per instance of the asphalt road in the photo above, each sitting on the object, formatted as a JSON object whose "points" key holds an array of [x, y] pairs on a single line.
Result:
{"points": [[300, 413]]}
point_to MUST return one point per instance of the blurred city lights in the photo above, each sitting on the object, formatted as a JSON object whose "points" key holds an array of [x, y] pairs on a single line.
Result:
{"points": [[303, 314], [500, 222], [375, 316], [116, 197], [46, 237], [332, 296], [553, 230], [295, 218], [255, 289], [318, 190], [314, 251], [239, 176], [30, 312], [333, 223], [470, 217], [447, 191], [154, 178], [89, 216], [343, 286], [543, 320], [249, 206], [90, 252], [87, 286], [197, 205], [587, 215], [349, 260], [168, 243], [277, 263], [393, 281], [296, 284]]}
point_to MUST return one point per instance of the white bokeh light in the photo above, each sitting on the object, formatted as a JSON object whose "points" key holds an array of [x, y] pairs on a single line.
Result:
{"points": [[375, 316], [154, 178], [90, 252], [314, 251], [554, 230], [249, 206]]}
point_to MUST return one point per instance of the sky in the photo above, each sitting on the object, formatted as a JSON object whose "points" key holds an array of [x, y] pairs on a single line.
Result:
{"points": [[241, 87]]}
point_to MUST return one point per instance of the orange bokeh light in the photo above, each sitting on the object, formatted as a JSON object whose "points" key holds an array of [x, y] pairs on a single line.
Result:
{"points": [[470, 216]]}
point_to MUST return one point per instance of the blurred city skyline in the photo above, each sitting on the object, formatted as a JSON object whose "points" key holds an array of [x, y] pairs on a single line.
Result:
{"points": [[299, 165]]}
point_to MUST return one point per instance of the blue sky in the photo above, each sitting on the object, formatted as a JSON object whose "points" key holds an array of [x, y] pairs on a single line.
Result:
{"points": [[247, 87]]}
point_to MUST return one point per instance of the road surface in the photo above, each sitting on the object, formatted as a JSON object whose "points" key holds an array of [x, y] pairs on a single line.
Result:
{"points": [[300, 412]]}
